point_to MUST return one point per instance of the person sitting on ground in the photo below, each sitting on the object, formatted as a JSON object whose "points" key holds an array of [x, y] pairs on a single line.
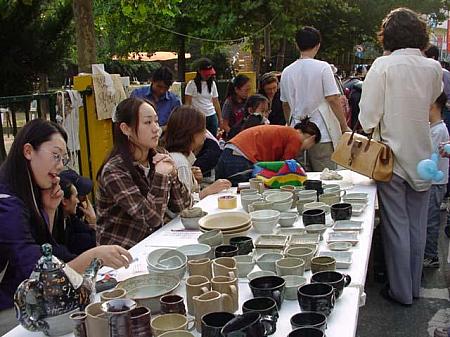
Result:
{"points": [[439, 134], [201, 93], [159, 95], [233, 107], [208, 156], [70, 229], [264, 143], [136, 184], [269, 87], [185, 133], [29, 196], [256, 112]]}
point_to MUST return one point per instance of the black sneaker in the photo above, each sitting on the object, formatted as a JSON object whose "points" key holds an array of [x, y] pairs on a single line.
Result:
{"points": [[431, 262]]}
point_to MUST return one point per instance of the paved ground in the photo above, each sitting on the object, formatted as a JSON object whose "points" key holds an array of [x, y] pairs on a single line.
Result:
{"points": [[381, 318]]}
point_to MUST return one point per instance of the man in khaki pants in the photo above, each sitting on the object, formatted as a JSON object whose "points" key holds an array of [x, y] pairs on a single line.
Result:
{"points": [[308, 88]]}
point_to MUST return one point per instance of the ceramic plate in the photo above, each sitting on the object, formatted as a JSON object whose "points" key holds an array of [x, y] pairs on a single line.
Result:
{"points": [[351, 237], [304, 239], [358, 208], [343, 259], [340, 246], [290, 231], [361, 197], [271, 241], [231, 231], [224, 220], [347, 225]]}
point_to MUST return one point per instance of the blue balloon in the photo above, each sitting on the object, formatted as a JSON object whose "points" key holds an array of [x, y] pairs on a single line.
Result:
{"points": [[435, 157], [438, 176], [447, 148], [427, 169]]}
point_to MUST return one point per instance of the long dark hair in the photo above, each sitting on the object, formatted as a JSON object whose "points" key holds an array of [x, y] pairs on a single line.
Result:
{"points": [[203, 63], [238, 82], [184, 122], [16, 171], [306, 126], [253, 102], [128, 112]]}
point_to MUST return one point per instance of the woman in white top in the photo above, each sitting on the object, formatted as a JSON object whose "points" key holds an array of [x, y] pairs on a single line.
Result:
{"points": [[396, 97], [185, 133], [201, 92]]}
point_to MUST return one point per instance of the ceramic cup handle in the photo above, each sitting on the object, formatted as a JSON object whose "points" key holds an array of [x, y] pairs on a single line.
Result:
{"points": [[333, 299], [347, 280], [231, 274], [277, 296], [269, 324], [190, 321], [226, 303], [343, 194], [204, 289]]}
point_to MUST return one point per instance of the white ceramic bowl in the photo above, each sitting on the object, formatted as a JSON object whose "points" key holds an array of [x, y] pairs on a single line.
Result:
{"points": [[282, 206], [246, 200], [147, 289], [287, 219], [166, 261], [265, 215], [264, 227], [192, 223], [267, 261], [244, 264], [211, 238], [293, 282], [316, 229], [195, 251], [280, 197]]}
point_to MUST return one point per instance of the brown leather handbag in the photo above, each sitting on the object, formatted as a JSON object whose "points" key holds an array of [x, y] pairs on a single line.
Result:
{"points": [[364, 155]]}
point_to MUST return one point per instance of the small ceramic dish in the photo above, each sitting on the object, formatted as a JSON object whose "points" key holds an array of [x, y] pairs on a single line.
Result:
{"points": [[361, 197], [257, 252], [351, 237], [358, 208], [287, 219], [271, 241], [195, 251], [282, 206], [347, 225], [267, 261], [244, 264], [316, 229], [290, 231], [340, 246], [304, 239], [343, 259]]}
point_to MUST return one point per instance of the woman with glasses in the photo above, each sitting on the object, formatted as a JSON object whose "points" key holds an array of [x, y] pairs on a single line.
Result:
{"points": [[29, 196]]}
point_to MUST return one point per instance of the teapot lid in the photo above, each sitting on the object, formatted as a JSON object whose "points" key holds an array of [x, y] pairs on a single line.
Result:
{"points": [[48, 262]]}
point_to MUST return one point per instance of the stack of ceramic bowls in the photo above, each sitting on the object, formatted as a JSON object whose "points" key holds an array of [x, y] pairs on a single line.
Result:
{"points": [[282, 201], [264, 221], [190, 216], [231, 224], [167, 261]]}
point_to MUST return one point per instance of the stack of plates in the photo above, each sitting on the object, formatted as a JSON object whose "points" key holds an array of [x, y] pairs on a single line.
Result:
{"points": [[230, 223]]}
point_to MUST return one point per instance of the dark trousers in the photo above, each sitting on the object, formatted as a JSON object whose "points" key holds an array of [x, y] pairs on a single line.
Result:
{"points": [[230, 164]]}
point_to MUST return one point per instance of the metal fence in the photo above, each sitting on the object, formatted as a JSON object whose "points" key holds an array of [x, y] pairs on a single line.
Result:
{"points": [[15, 111]]}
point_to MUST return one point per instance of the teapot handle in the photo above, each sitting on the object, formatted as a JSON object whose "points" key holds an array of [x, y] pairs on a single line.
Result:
{"points": [[29, 316]]}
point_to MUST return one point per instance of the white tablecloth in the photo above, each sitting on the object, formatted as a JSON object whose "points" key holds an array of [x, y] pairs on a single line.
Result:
{"points": [[342, 321]]}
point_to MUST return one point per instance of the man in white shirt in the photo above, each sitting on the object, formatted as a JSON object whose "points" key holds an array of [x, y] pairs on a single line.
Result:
{"points": [[308, 88]]}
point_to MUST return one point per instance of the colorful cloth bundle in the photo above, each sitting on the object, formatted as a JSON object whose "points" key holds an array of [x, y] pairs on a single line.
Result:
{"points": [[280, 173]]}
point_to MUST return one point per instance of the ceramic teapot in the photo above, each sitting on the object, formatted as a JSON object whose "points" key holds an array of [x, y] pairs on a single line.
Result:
{"points": [[45, 301]]}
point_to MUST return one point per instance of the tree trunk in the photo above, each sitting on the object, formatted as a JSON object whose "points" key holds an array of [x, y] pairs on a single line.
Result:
{"points": [[43, 102], [280, 56], [256, 55], [85, 33], [181, 58], [267, 50]]}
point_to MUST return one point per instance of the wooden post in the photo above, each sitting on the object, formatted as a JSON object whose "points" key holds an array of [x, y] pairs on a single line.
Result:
{"points": [[85, 33]]}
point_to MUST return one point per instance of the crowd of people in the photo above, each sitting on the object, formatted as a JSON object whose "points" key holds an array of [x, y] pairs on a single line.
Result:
{"points": [[163, 151]]}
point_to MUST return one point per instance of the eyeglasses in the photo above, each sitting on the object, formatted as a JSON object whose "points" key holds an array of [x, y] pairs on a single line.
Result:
{"points": [[59, 158]]}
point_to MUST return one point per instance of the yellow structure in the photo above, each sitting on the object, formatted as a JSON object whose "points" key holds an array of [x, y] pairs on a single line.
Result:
{"points": [[252, 76], [189, 76], [96, 138]]}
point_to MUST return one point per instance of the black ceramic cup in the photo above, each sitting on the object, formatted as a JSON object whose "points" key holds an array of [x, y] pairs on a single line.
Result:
{"points": [[309, 319], [213, 323], [266, 307], [314, 185], [226, 251], [249, 324], [269, 286], [317, 297], [172, 304], [337, 280], [341, 211], [306, 332], [313, 216], [243, 243]]}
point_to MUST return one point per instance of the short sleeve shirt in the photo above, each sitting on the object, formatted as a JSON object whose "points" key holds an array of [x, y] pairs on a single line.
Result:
{"points": [[202, 100]]}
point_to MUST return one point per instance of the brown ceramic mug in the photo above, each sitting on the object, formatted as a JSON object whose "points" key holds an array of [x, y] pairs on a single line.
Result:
{"points": [[172, 304]]}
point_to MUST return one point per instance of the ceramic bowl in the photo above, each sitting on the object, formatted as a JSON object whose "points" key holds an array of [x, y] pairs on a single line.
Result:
{"points": [[267, 261], [264, 227], [211, 238], [279, 197], [192, 223], [293, 282], [316, 229], [248, 191], [195, 251], [246, 200], [287, 219], [260, 205], [282, 206], [244, 264], [147, 289], [317, 205], [265, 215], [166, 261], [260, 273], [305, 253], [268, 192]]}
